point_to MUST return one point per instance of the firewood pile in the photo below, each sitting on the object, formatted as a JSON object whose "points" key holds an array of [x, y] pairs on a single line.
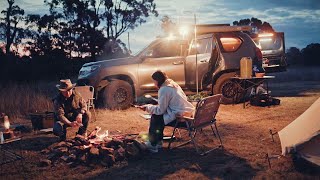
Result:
{"points": [[100, 149]]}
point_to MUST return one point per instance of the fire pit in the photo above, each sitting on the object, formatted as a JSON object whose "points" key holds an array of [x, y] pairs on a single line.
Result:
{"points": [[95, 148]]}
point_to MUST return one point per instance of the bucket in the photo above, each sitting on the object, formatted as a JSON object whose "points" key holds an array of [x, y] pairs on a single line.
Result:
{"points": [[246, 67], [42, 120]]}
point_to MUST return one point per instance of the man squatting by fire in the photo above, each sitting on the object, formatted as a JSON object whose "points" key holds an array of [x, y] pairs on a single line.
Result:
{"points": [[70, 110]]}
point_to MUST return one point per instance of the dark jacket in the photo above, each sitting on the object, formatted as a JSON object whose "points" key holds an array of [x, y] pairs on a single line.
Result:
{"points": [[69, 108]]}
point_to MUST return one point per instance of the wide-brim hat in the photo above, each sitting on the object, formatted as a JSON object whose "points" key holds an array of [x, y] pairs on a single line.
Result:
{"points": [[65, 85]]}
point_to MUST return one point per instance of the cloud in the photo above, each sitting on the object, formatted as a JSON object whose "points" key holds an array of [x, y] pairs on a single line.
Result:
{"points": [[33, 7], [299, 19]]}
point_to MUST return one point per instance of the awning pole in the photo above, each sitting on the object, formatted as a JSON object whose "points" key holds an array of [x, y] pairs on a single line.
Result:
{"points": [[195, 40]]}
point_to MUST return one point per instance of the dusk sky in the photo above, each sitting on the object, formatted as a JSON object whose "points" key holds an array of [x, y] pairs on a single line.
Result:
{"points": [[298, 19]]}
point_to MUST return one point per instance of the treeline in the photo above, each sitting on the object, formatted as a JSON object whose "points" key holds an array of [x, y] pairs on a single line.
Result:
{"points": [[308, 56], [56, 43], [52, 66]]}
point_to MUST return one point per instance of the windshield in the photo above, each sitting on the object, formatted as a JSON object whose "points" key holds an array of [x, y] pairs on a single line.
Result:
{"points": [[137, 53], [143, 49]]}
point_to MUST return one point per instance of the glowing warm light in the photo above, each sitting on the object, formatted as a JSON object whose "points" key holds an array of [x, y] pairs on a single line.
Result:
{"points": [[183, 31], [229, 40], [6, 122], [266, 35], [144, 137], [170, 37], [149, 85], [265, 39], [230, 44]]}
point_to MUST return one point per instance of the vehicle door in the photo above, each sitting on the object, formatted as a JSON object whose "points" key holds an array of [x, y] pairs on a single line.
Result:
{"points": [[166, 56], [198, 60], [272, 46]]}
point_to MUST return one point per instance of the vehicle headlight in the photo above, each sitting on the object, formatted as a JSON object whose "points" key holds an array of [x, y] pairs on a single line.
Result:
{"points": [[85, 71]]}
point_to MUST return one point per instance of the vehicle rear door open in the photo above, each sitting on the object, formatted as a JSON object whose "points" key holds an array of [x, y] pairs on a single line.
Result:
{"points": [[272, 46]]}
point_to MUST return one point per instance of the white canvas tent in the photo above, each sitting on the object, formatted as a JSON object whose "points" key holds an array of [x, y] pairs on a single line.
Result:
{"points": [[303, 135]]}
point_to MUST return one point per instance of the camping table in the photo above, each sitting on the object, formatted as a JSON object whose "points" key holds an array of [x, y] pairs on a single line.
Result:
{"points": [[243, 84]]}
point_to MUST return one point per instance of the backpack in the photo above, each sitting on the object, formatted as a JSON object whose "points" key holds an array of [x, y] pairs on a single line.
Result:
{"points": [[263, 100]]}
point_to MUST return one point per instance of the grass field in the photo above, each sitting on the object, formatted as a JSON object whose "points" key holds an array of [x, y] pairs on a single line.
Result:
{"points": [[245, 135]]}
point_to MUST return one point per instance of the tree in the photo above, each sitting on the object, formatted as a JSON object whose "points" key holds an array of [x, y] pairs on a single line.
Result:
{"points": [[255, 22], [311, 54], [167, 25], [40, 30], [294, 56], [12, 33], [86, 22]]}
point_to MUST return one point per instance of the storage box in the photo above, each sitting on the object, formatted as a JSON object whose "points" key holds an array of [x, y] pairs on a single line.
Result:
{"points": [[42, 120]]}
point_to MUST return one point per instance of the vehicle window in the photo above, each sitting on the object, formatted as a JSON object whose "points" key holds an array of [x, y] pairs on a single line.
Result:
{"points": [[166, 49], [230, 44], [269, 43], [202, 46]]}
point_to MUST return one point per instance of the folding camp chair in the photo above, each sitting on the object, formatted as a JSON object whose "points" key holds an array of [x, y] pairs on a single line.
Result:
{"points": [[205, 114], [87, 93]]}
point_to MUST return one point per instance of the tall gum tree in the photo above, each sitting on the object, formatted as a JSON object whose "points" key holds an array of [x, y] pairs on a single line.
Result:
{"points": [[9, 23], [93, 23]]}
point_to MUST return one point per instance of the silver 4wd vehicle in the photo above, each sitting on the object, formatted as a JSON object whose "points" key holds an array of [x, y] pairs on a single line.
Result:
{"points": [[214, 55]]}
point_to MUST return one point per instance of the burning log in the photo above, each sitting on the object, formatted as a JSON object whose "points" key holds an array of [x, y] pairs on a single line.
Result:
{"points": [[68, 158], [93, 155], [95, 148], [81, 140], [108, 160], [114, 143], [132, 150], [120, 154], [94, 133], [44, 162], [104, 151]]}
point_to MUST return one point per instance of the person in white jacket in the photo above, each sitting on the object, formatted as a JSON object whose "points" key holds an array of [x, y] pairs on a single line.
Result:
{"points": [[172, 102]]}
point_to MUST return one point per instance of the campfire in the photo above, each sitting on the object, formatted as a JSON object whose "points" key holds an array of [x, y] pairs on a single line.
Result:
{"points": [[97, 147]]}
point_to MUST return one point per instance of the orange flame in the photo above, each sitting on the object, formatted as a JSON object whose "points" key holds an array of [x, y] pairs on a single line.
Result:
{"points": [[6, 122]]}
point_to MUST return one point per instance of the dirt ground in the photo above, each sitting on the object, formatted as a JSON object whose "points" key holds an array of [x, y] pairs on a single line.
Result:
{"points": [[244, 132]]}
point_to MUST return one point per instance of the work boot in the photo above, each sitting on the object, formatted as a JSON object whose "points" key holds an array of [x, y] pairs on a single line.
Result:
{"points": [[150, 147], [159, 145]]}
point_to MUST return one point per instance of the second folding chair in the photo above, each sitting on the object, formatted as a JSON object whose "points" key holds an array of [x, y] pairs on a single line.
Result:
{"points": [[205, 116], [87, 93]]}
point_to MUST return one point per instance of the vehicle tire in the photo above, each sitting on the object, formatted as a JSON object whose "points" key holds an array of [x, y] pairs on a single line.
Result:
{"points": [[118, 95], [228, 89]]}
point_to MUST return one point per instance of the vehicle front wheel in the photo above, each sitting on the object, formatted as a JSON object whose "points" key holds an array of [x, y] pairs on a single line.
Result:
{"points": [[118, 95], [228, 89]]}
